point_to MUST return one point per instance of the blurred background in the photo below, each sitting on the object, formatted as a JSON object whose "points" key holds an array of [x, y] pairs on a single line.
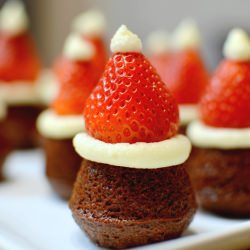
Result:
{"points": [[50, 20]]}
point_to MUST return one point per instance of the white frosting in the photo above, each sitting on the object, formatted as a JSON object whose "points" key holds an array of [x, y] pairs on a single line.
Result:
{"points": [[166, 153], [222, 138], [91, 23], [19, 93], [158, 42], [55, 126], [188, 113], [125, 41], [186, 36], [237, 45], [77, 48], [48, 86], [42, 91], [13, 18]]}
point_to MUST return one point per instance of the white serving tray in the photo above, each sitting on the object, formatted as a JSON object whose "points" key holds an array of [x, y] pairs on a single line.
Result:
{"points": [[33, 218]]}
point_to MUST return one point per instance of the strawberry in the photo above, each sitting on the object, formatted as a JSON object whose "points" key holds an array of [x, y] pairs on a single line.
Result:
{"points": [[226, 100], [19, 59], [160, 62], [100, 58], [76, 80], [131, 103], [186, 76]]}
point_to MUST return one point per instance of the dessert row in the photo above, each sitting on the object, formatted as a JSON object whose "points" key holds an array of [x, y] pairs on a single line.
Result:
{"points": [[117, 132]]}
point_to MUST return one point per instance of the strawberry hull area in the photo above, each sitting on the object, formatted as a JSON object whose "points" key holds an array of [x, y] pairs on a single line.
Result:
{"points": [[122, 207], [62, 165], [221, 180]]}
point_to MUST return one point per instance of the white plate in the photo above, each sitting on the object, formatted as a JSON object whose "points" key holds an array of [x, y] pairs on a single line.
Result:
{"points": [[32, 217]]}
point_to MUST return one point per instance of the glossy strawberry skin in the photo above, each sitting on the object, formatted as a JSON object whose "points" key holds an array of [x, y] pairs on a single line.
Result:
{"points": [[186, 76], [19, 59], [100, 57], [131, 103], [226, 102], [76, 81], [161, 62]]}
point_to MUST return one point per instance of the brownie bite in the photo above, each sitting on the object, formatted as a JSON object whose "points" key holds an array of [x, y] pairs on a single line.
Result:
{"points": [[132, 188], [219, 165], [20, 69], [75, 72]]}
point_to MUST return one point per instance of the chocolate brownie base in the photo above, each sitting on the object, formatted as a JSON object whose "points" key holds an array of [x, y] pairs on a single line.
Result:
{"points": [[62, 165], [5, 147], [2, 159], [123, 207], [221, 179], [182, 129], [21, 126]]}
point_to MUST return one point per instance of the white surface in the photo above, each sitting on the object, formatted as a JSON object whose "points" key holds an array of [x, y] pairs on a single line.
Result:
{"points": [[32, 217]]}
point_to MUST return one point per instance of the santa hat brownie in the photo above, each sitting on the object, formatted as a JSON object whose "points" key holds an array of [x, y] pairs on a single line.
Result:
{"points": [[187, 77], [59, 124], [222, 136], [185, 74], [131, 148], [19, 59], [92, 25], [19, 71], [159, 48]]}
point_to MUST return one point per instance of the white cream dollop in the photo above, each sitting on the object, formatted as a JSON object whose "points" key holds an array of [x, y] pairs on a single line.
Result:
{"points": [[91, 23], [77, 48], [222, 138], [166, 153], [237, 45], [186, 36], [158, 42], [125, 41], [52, 125], [188, 113], [13, 18]]}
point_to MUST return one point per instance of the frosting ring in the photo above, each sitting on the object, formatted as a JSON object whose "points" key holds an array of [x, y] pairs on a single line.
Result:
{"points": [[143, 155], [55, 126], [188, 113], [223, 138]]}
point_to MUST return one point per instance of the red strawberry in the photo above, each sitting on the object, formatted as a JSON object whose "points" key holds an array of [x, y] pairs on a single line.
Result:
{"points": [[160, 62], [131, 103], [76, 80], [19, 59], [100, 58], [226, 100], [186, 76]]}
